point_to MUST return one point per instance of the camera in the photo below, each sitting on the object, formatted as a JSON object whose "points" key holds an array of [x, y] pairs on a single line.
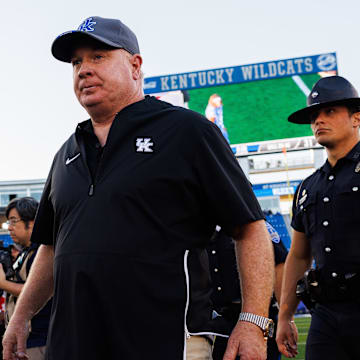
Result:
{"points": [[6, 262]]}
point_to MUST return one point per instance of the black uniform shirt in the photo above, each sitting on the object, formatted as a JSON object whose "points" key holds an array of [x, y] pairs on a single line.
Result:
{"points": [[223, 268], [326, 209]]}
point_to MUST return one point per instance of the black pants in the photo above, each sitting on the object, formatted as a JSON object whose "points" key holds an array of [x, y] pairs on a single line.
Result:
{"points": [[334, 332]]}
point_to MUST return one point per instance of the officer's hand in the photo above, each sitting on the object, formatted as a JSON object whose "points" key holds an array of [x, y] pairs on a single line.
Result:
{"points": [[286, 338], [247, 341], [14, 341]]}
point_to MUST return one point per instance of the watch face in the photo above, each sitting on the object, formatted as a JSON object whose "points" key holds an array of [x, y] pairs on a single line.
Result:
{"points": [[269, 330]]}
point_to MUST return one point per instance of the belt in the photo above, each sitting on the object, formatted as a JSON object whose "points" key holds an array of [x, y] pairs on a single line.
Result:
{"points": [[343, 288]]}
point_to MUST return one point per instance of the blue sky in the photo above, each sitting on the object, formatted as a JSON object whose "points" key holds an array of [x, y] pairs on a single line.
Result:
{"points": [[39, 111]]}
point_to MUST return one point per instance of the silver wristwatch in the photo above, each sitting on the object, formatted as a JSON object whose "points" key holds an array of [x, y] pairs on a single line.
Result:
{"points": [[265, 324]]}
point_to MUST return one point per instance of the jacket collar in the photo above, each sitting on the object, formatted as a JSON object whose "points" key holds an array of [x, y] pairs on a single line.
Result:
{"points": [[353, 155]]}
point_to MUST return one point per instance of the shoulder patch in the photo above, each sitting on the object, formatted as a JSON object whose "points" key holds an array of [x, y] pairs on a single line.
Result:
{"points": [[302, 199]]}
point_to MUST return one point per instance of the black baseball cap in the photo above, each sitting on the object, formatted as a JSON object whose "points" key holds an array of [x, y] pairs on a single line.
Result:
{"points": [[328, 91], [111, 32]]}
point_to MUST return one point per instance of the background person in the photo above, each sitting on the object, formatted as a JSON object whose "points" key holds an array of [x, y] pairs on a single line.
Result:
{"points": [[214, 113], [126, 214], [326, 228], [226, 288], [15, 250], [20, 213]]}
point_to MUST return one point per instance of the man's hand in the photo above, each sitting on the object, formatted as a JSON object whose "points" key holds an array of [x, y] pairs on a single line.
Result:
{"points": [[2, 275], [286, 338], [14, 341], [247, 341]]}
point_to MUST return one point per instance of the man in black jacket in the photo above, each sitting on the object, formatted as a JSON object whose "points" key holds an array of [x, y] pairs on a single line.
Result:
{"points": [[127, 210]]}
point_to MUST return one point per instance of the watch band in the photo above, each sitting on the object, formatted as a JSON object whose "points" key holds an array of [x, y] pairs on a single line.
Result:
{"points": [[264, 323]]}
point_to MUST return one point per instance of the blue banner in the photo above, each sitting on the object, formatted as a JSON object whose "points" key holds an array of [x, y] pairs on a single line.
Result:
{"points": [[5, 240], [239, 74], [271, 189]]}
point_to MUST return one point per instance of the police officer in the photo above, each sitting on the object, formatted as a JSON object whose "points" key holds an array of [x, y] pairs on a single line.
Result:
{"points": [[326, 228], [226, 294]]}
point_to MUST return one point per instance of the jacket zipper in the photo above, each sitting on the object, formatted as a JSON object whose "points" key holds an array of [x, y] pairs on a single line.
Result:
{"points": [[92, 185], [81, 145]]}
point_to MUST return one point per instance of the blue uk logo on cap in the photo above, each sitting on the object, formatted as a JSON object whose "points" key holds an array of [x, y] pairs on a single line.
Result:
{"points": [[87, 25], [111, 32]]}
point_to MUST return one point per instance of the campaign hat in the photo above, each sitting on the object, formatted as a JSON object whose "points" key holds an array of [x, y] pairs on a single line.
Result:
{"points": [[328, 91], [110, 32]]}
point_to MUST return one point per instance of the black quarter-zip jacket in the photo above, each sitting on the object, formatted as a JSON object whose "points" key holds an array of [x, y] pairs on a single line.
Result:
{"points": [[130, 267]]}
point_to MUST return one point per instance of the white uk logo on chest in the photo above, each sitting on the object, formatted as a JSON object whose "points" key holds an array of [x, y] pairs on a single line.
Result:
{"points": [[144, 145]]}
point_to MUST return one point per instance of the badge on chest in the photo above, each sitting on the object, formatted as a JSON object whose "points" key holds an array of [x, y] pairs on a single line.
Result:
{"points": [[357, 167], [303, 197]]}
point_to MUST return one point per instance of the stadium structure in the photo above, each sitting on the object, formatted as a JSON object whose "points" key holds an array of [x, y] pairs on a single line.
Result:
{"points": [[252, 105]]}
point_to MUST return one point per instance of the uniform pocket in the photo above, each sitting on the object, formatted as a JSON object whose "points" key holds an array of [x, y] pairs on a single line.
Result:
{"points": [[308, 210], [347, 201]]}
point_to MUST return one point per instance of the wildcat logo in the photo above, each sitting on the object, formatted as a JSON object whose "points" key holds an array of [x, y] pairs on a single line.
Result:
{"points": [[326, 62], [87, 25], [144, 145]]}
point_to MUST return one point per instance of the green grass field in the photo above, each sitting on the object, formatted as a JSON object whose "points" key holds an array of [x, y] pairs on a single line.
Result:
{"points": [[258, 110], [302, 324]]}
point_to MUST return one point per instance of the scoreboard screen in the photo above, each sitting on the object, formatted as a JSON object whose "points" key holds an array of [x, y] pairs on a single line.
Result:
{"points": [[250, 103]]}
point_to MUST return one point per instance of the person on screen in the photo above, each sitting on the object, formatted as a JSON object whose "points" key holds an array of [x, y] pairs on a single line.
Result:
{"points": [[214, 113]]}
